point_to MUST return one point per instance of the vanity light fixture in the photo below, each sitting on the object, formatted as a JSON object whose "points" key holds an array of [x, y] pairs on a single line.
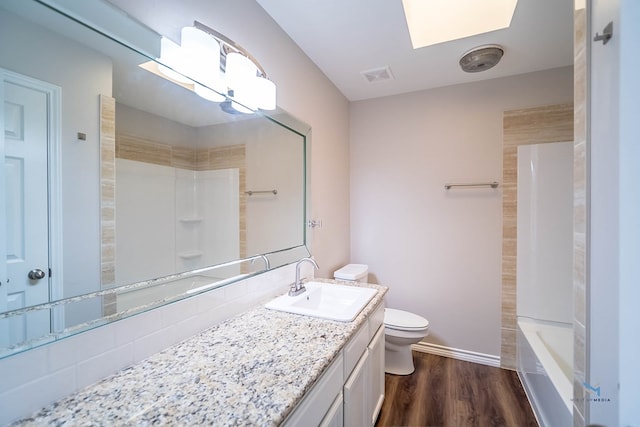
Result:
{"points": [[217, 69]]}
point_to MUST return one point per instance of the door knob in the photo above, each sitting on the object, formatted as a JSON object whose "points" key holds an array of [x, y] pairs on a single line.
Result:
{"points": [[36, 274]]}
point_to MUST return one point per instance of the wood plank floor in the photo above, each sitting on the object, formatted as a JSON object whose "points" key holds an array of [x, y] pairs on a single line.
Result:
{"points": [[446, 392]]}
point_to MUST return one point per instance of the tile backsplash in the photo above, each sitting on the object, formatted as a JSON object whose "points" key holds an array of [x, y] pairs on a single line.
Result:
{"points": [[38, 377]]}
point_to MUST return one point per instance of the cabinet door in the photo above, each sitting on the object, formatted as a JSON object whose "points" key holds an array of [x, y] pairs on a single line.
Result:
{"points": [[335, 414], [355, 395], [375, 377]]}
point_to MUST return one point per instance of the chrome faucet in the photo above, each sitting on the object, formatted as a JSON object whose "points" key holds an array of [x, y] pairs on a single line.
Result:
{"points": [[296, 287]]}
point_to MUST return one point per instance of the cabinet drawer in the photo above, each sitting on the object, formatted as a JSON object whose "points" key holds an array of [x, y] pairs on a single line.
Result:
{"points": [[314, 407], [376, 319], [354, 349]]}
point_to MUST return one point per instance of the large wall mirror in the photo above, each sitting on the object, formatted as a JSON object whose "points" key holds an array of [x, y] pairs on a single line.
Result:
{"points": [[123, 190]]}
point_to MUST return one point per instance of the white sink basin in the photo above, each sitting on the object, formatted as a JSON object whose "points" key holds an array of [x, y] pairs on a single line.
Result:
{"points": [[325, 300]]}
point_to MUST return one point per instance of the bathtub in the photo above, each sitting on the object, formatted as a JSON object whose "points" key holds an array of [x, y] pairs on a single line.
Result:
{"points": [[545, 366]]}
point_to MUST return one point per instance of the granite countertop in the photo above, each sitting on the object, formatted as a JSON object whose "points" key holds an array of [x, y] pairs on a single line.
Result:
{"points": [[251, 369]]}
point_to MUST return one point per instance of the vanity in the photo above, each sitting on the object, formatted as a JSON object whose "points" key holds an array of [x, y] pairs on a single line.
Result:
{"points": [[261, 367]]}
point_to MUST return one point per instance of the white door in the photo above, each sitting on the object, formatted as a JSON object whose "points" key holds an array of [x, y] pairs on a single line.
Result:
{"points": [[25, 200]]}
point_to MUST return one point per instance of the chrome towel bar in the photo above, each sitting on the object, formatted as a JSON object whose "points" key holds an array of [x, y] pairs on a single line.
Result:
{"points": [[251, 192], [493, 184]]}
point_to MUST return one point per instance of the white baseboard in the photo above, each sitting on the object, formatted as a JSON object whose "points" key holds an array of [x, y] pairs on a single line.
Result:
{"points": [[456, 353]]}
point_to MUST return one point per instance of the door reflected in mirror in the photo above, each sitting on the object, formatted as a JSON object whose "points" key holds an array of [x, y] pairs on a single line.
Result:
{"points": [[122, 190]]}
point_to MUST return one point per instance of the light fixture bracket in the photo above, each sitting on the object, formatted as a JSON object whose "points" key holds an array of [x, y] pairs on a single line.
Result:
{"points": [[229, 45]]}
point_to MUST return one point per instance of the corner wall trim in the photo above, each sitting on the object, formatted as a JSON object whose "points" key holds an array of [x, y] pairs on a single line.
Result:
{"points": [[456, 353]]}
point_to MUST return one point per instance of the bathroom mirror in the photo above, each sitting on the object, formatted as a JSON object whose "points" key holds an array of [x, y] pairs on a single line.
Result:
{"points": [[122, 189]]}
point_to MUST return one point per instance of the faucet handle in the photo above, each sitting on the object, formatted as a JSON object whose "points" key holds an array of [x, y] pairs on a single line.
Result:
{"points": [[296, 290]]}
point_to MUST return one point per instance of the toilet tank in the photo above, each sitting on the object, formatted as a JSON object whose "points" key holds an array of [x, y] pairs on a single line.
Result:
{"points": [[352, 272]]}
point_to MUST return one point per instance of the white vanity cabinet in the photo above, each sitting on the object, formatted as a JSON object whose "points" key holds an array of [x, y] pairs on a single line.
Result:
{"points": [[317, 404], [375, 377], [351, 391], [355, 394], [335, 415], [364, 385]]}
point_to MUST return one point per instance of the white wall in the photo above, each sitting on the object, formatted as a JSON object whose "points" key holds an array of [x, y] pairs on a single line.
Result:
{"points": [[603, 237], [439, 251], [613, 343], [83, 75], [629, 294], [303, 91]]}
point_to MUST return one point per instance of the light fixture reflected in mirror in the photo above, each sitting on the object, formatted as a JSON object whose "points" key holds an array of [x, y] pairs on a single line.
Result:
{"points": [[171, 56], [216, 69], [241, 75], [208, 94]]}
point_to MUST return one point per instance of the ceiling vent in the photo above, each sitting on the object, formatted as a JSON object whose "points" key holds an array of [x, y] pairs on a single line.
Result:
{"points": [[481, 58], [378, 74]]}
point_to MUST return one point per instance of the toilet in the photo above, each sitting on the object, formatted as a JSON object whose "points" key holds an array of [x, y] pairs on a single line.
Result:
{"points": [[401, 328]]}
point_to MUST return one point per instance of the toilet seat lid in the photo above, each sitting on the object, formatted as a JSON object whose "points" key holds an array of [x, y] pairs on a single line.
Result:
{"points": [[399, 319]]}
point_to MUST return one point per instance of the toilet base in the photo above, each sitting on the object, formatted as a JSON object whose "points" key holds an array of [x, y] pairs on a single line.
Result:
{"points": [[398, 359]]}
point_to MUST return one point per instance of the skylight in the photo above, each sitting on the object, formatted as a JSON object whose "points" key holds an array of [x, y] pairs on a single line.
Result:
{"points": [[436, 21]]}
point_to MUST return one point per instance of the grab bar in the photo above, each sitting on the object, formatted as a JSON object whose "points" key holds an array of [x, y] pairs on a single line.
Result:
{"points": [[252, 192], [493, 184]]}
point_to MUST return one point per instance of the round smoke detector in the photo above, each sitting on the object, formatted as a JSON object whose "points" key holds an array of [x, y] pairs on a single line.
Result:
{"points": [[481, 58]]}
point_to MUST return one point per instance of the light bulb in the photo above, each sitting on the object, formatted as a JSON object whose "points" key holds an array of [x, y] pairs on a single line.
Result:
{"points": [[245, 96], [240, 74], [241, 108], [208, 94], [266, 93], [201, 54], [171, 61], [239, 69]]}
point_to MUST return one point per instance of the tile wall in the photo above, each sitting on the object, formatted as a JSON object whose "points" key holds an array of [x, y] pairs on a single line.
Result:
{"points": [[538, 125], [108, 200], [519, 134], [126, 146], [580, 220], [139, 149]]}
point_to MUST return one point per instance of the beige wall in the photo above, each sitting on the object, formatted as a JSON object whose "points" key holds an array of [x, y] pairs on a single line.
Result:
{"points": [[439, 251], [303, 91]]}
